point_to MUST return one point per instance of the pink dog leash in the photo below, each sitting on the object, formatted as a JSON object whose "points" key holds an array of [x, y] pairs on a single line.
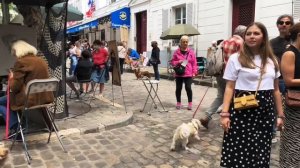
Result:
{"points": [[200, 102], [7, 111]]}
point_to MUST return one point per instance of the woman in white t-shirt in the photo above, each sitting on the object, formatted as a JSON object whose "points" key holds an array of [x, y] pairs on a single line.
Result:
{"points": [[122, 53], [248, 132]]}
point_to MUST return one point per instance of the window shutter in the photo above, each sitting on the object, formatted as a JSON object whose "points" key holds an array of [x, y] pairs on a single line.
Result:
{"points": [[165, 19], [296, 10], [189, 13]]}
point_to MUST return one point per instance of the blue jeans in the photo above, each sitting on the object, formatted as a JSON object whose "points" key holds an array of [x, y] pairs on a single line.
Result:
{"points": [[13, 115], [214, 107]]}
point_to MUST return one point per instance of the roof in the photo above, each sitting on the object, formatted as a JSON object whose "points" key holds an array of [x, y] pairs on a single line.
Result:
{"points": [[36, 2]]}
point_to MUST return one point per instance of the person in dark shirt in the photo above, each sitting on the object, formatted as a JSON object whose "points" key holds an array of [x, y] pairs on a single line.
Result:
{"points": [[282, 42], [154, 60], [82, 72], [279, 45]]}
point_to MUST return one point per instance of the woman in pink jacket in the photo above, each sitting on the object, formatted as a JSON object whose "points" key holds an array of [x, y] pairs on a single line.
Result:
{"points": [[185, 56]]}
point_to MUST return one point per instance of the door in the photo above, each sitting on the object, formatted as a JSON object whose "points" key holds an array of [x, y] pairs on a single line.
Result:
{"points": [[141, 32], [243, 12]]}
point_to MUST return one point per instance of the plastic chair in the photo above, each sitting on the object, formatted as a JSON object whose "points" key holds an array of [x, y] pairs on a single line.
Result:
{"points": [[39, 86]]}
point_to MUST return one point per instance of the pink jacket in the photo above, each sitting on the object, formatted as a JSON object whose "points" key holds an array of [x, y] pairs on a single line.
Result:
{"points": [[191, 67]]}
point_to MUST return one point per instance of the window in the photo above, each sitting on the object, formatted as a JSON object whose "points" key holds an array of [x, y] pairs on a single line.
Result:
{"points": [[180, 15], [112, 1]]}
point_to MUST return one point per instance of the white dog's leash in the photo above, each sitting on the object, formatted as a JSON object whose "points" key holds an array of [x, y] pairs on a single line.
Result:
{"points": [[200, 102]]}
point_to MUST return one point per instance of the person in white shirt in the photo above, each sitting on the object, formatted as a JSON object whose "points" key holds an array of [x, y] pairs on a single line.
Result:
{"points": [[248, 132], [122, 53]]}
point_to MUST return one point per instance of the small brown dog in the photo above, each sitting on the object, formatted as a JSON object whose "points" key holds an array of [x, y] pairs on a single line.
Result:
{"points": [[3, 153], [140, 74]]}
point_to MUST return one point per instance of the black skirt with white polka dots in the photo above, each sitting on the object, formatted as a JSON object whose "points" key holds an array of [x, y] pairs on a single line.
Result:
{"points": [[248, 141]]}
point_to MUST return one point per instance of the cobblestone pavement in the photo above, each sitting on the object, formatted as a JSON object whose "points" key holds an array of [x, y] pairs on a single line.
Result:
{"points": [[144, 143]]}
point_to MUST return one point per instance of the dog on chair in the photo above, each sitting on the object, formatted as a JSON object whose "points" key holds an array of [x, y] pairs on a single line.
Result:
{"points": [[140, 74], [184, 132]]}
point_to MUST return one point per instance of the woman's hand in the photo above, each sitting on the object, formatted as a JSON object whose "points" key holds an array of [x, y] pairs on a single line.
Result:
{"points": [[10, 75], [280, 124], [225, 122]]}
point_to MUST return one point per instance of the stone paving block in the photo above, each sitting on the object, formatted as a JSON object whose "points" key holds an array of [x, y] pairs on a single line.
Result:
{"points": [[150, 166], [93, 157], [118, 142], [85, 165], [214, 148], [157, 161], [104, 142], [147, 154], [101, 164], [162, 155], [165, 166], [47, 155], [175, 155], [19, 160], [91, 141], [52, 164], [126, 158], [68, 164], [80, 157], [133, 165]]}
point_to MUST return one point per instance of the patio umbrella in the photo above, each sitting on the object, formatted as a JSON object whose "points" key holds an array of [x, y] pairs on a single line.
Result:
{"points": [[175, 32], [73, 13]]}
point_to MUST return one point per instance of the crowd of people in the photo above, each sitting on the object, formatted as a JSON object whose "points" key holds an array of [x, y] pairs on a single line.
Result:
{"points": [[253, 65], [87, 62]]}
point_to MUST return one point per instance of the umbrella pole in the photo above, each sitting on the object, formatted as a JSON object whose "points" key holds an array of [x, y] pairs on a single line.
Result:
{"points": [[5, 12]]}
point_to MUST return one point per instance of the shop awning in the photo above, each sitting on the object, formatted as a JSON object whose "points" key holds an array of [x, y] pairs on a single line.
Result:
{"points": [[120, 18], [78, 28]]}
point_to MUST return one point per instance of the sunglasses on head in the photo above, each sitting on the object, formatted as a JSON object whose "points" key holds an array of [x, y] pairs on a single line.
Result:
{"points": [[283, 22]]}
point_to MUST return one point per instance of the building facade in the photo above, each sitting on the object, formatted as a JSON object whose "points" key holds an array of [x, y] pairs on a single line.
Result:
{"points": [[215, 19]]}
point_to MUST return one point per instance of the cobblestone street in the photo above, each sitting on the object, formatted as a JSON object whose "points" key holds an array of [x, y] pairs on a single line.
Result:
{"points": [[145, 143]]}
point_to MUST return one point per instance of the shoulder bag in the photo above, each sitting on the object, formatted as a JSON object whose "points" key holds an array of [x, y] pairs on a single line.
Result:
{"points": [[292, 98], [179, 68], [245, 99]]}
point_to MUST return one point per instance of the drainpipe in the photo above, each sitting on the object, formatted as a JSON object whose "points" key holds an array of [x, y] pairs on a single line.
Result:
{"points": [[197, 23], [5, 12]]}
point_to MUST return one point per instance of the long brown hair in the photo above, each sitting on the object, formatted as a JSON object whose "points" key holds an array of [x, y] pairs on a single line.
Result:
{"points": [[246, 55]]}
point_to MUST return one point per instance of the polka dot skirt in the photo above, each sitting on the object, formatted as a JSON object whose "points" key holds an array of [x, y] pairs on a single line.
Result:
{"points": [[248, 141]]}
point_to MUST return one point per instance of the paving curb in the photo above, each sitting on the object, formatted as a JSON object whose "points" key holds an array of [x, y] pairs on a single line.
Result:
{"points": [[96, 128]]}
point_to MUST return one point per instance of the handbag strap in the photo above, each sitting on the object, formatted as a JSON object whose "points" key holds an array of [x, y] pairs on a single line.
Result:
{"points": [[259, 81]]}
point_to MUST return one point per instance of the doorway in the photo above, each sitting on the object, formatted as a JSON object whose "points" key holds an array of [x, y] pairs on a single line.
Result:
{"points": [[243, 12], [141, 32]]}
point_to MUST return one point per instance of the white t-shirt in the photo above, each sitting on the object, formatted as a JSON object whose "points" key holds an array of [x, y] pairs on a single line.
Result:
{"points": [[122, 52], [246, 78]]}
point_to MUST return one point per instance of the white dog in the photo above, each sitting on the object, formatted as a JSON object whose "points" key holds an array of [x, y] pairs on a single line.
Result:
{"points": [[184, 132]]}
